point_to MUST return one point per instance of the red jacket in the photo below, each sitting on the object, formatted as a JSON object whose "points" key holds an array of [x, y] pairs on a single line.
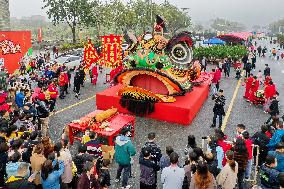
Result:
{"points": [[225, 146], [53, 92], [62, 80], [41, 96], [249, 148], [217, 76]]}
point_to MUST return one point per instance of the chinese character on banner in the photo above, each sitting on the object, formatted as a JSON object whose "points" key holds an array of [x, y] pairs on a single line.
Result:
{"points": [[111, 51], [90, 54]]}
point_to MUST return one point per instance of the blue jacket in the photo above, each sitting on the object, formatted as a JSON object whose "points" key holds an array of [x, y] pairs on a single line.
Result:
{"points": [[280, 160], [12, 169], [276, 138], [20, 99], [268, 177], [52, 181]]}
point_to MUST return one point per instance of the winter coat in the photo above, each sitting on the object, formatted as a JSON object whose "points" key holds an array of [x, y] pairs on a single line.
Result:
{"points": [[280, 160], [249, 147], [155, 151], [266, 71], [276, 138], [219, 105], [53, 179], [12, 169], [15, 182], [104, 178], [164, 162], [52, 90], [37, 161], [124, 150], [94, 147], [20, 99], [80, 160], [86, 183], [268, 177], [261, 139], [148, 174], [3, 161], [274, 108], [227, 178]]}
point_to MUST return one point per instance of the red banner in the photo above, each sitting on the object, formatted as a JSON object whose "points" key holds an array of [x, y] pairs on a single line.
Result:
{"points": [[90, 54], [111, 51], [39, 35], [13, 46]]}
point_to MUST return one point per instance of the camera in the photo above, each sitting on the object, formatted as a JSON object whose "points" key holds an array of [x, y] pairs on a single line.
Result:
{"points": [[204, 138]]}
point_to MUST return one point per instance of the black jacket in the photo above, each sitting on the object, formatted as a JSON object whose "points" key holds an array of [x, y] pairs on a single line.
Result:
{"points": [[155, 151], [274, 108], [20, 183], [80, 160], [266, 71], [219, 105], [149, 168]]}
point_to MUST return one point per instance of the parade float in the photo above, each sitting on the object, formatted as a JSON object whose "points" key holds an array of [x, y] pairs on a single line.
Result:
{"points": [[158, 77]]}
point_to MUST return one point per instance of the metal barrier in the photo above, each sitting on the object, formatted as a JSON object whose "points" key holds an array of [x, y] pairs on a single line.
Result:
{"points": [[255, 148]]}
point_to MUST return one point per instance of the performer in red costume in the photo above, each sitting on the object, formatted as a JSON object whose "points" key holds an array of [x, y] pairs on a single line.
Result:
{"points": [[248, 86], [269, 92], [267, 80], [254, 88], [95, 75]]}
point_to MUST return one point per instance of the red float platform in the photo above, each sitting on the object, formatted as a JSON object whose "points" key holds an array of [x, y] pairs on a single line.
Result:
{"points": [[183, 111]]}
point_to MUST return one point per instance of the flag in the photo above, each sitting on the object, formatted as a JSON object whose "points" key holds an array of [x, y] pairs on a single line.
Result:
{"points": [[112, 51], [90, 54]]}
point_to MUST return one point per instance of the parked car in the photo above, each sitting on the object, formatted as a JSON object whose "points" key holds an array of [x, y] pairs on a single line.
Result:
{"points": [[70, 61]]}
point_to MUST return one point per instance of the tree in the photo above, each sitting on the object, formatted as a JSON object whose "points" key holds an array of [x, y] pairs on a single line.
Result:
{"points": [[220, 24], [277, 27], [72, 12]]}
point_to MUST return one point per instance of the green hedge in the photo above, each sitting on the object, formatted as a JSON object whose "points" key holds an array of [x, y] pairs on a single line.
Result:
{"points": [[70, 46], [220, 52]]}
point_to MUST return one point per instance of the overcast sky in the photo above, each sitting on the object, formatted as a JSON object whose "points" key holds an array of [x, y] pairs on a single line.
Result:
{"points": [[249, 12]]}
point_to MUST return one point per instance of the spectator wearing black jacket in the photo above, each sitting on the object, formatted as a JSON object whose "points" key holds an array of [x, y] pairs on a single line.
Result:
{"points": [[261, 139], [20, 181], [81, 158], [43, 115], [155, 150], [3, 160], [104, 176], [77, 84], [266, 71], [218, 109], [268, 174], [149, 168], [274, 109], [212, 164]]}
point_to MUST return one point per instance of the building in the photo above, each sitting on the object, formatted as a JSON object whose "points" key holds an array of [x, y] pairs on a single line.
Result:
{"points": [[4, 15]]}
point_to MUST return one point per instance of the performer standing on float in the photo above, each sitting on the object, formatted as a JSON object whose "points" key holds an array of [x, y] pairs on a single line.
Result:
{"points": [[249, 81], [254, 88]]}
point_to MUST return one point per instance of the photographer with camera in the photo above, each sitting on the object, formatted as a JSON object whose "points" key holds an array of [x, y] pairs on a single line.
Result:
{"points": [[218, 109]]}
